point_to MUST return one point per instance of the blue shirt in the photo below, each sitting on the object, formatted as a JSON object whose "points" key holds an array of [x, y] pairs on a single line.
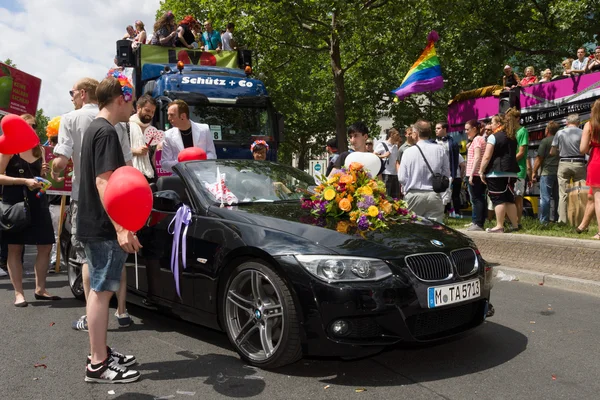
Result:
{"points": [[211, 40]]}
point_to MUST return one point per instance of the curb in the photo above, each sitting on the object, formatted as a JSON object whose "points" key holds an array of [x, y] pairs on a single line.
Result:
{"points": [[551, 280]]}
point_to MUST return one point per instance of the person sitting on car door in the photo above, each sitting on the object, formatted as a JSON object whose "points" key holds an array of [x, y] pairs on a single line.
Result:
{"points": [[185, 133]]}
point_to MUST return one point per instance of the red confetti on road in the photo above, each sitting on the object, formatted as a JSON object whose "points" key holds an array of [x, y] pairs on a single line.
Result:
{"points": [[52, 324], [553, 377], [40, 365]]}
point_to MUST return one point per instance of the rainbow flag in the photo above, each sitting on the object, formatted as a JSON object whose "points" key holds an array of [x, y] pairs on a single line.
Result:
{"points": [[426, 73]]}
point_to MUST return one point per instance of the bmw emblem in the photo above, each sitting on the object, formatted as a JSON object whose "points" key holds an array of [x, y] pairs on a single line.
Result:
{"points": [[437, 243], [257, 314]]}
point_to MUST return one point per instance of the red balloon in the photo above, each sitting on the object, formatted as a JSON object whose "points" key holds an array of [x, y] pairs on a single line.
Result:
{"points": [[128, 198], [17, 135], [191, 154]]}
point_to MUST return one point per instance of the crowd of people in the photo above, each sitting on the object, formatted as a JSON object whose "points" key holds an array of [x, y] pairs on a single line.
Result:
{"points": [[571, 67], [496, 172], [188, 33]]}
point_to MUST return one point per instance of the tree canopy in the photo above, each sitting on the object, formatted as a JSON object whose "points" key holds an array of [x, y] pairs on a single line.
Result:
{"points": [[329, 63]]}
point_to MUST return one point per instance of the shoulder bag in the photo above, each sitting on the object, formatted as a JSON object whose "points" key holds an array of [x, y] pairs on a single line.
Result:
{"points": [[439, 182]]}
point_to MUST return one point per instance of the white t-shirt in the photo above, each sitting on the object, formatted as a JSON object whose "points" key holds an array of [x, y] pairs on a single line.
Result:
{"points": [[390, 166], [226, 39], [461, 160]]}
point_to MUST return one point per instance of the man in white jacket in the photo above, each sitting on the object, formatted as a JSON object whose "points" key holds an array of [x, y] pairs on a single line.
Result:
{"points": [[138, 123], [185, 133]]}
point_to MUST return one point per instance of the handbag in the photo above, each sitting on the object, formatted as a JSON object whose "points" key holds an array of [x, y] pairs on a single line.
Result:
{"points": [[16, 217], [439, 182]]}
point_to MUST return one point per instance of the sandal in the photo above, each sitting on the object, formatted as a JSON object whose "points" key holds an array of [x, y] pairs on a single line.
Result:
{"points": [[580, 231], [495, 230], [596, 236]]}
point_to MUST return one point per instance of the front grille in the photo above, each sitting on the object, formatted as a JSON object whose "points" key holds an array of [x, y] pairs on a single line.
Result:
{"points": [[466, 261], [430, 266], [364, 327], [436, 323]]}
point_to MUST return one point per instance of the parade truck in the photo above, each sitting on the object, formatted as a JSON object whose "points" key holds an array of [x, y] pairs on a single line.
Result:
{"points": [[539, 104], [218, 87]]}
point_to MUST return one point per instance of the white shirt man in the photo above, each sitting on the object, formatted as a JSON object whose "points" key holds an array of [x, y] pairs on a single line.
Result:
{"points": [[138, 123], [578, 66], [388, 152], [415, 177], [185, 133], [227, 39]]}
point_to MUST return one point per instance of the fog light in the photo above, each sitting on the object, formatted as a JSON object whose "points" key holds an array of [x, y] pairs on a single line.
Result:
{"points": [[340, 327]]}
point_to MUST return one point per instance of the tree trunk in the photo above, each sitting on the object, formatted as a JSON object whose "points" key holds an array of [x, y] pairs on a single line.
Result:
{"points": [[339, 91]]}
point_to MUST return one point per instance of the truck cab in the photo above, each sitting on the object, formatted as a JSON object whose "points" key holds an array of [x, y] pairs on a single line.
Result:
{"points": [[217, 86]]}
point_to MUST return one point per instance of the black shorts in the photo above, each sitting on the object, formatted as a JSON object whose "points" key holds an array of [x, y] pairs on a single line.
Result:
{"points": [[501, 190]]}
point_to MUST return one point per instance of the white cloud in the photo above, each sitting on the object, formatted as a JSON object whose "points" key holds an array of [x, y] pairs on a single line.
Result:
{"points": [[62, 41]]}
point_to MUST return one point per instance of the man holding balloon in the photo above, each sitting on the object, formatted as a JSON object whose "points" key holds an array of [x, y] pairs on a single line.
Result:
{"points": [[115, 209]]}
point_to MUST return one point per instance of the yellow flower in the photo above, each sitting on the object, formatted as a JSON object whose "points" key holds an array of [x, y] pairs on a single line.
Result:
{"points": [[343, 226], [366, 190], [333, 179], [372, 211], [345, 205], [329, 194], [354, 216]]}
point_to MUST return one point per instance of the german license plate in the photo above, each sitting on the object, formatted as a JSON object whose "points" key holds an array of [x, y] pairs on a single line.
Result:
{"points": [[450, 294]]}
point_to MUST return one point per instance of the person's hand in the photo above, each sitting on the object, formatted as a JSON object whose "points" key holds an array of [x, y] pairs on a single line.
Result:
{"points": [[482, 176], [534, 178], [56, 176], [471, 180], [143, 150], [128, 241], [32, 184], [189, 46], [45, 169]]}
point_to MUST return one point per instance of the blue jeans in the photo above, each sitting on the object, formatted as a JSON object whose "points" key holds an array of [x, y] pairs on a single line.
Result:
{"points": [[548, 191], [478, 201], [105, 260]]}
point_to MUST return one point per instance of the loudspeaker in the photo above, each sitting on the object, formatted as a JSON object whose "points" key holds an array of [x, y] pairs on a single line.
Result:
{"points": [[125, 56], [504, 105]]}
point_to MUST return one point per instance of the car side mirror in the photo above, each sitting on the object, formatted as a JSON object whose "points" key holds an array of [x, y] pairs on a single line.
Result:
{"points": [[166, 201]]}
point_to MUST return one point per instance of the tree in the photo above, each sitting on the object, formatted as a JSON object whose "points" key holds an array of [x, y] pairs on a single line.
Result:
{"points": [[9, 62], [41, 122]]}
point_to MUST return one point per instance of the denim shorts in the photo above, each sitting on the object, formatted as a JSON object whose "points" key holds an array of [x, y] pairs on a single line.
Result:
{"points": [[105, 260]]}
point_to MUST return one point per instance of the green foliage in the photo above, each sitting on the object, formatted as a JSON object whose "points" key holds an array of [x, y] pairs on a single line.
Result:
{"points": [[42, 122], [329, 63], [9, 62]]}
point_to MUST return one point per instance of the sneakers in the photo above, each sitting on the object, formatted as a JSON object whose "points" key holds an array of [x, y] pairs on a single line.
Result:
{"points": [[490, 311], [475, 228], [120, 359], [109, 371], [3, 273], [124, 319], [81, 324]]}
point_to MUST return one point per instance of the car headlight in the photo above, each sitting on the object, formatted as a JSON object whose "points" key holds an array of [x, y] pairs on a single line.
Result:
{"points": [[345, 269]]}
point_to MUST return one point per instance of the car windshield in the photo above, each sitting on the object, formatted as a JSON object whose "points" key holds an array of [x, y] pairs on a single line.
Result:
{"points": [[238, 124], [250, 181]]}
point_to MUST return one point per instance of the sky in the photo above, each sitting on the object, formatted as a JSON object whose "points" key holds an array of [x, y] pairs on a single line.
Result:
{"points": [[62, 41]]}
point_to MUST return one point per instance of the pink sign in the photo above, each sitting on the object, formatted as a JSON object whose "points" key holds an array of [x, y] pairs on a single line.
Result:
{"points": [[159, 171], [63, 187], [19, 92]]}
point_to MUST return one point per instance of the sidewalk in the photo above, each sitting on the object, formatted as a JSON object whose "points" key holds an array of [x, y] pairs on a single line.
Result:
{"points": [[570, 263]]}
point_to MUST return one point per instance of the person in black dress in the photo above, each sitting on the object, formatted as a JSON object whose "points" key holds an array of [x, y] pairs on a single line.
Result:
{"points": [[17, 173]]}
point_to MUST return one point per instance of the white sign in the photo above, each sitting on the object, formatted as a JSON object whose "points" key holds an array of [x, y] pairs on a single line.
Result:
{"points": [[317, 167], [216, 132]]}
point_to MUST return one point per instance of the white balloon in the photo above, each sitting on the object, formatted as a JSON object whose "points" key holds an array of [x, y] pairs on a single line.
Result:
{"points": [[370, 161]]}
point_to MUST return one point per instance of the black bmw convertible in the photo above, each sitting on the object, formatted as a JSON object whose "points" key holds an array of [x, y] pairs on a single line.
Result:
{"points": [[282, 284]]}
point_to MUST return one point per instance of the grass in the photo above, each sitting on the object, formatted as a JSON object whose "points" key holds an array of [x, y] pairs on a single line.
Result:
{"points": [[532, 226]]}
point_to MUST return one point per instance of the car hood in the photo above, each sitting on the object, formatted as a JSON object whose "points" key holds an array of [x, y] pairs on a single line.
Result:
{"points": [[398, 240]]}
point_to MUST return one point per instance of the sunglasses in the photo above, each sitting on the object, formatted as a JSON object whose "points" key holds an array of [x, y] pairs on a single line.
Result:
{"points": [[72, 92]]}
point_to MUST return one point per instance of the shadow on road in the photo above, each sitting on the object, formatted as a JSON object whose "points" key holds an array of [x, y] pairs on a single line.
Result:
{"points": [[486, 348]]}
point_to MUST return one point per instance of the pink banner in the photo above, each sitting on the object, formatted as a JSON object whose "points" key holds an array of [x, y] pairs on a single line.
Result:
{"points": [[159, 171], [65, 186], [19, 92]]}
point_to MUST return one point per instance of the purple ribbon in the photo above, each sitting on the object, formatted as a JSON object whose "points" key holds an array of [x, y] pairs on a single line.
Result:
{"points": [[182, 217]]}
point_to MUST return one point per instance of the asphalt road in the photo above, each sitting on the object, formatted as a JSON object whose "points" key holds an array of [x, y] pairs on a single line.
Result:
{"points": [[541, 344]]}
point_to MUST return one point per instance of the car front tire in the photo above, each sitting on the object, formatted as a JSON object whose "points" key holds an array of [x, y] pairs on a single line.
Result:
{"points": [[259, 316]]}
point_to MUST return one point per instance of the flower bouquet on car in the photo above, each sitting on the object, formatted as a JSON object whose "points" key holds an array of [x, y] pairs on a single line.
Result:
{"points": [[356, 200]]}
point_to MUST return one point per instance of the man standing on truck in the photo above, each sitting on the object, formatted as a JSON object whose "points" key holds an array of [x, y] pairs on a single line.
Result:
{"points": [[185, 133], [211, 39]]}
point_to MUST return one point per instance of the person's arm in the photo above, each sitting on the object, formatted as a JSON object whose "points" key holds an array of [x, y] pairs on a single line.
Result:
{"points": [[127, 240], [167, 39], [476, 158], [142, 39], [553, 150], [380, 151], [220, 45], [169, 156], [517, 79], [487, 156], [12, 181], [232, 43], [521, 153], [504, 82], [463, 170], [63, 150], [536, 166], [584, 145]]}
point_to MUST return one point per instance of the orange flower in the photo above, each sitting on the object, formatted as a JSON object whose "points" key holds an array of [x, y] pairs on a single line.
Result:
{"points": [[343, 226], [345, 204], [386, 207], [345, 179], [355, 166]]}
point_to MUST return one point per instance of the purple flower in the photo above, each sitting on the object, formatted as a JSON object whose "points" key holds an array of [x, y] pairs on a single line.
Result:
{"points": [[380, 216], [369, 201], [363, 223]]}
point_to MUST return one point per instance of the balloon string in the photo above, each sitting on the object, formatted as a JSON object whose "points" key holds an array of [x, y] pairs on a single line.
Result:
{"points": [[182, 217]]}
